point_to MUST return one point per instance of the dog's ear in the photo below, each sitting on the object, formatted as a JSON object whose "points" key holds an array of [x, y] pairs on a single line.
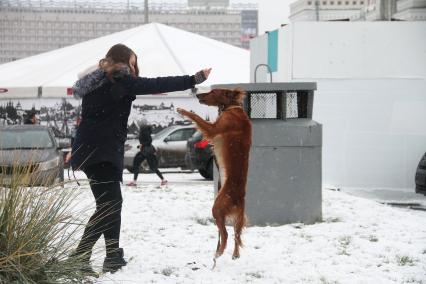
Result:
{"points": [[239, 95]]}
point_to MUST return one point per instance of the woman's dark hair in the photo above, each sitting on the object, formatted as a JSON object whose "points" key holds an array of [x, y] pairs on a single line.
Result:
{"points": [[117, 58], [146, 127]]}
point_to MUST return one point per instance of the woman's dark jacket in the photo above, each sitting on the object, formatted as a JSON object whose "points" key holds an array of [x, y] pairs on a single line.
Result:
{"points": [[106, 107], [145, 138]]}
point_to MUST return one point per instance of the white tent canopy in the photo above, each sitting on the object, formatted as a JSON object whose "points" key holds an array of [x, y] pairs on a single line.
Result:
{"points": [[161, 50]]}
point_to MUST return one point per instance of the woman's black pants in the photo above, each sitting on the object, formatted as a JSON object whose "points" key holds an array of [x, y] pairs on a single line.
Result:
{"points": [[107, 218], [152, 163]]}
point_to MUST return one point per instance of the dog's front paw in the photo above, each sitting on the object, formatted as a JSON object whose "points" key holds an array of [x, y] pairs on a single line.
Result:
{"points": [[182, 111]]}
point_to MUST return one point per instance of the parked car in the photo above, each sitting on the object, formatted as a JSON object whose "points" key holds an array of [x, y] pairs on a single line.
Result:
{"points": [[421, 176], [170, 144], [30, 153], [199, 155]]}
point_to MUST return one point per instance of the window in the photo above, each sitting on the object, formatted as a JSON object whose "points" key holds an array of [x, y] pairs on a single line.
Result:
{"points": [[181, 134]]}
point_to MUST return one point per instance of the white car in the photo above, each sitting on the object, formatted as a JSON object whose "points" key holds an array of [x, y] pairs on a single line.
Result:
{"points": [[170, 144]]}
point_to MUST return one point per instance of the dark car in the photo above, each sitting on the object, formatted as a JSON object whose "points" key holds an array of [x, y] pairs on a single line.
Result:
{"points": [[170, 144], [199, 155], [421, 176], [29, 155]]}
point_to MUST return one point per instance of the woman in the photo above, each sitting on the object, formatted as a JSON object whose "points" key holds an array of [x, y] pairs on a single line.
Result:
{"points": [[98, 149], [147, 152]]}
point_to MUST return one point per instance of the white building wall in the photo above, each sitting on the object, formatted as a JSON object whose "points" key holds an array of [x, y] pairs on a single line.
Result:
{"points": [[371, 96], [359, 50], [259, 74]]}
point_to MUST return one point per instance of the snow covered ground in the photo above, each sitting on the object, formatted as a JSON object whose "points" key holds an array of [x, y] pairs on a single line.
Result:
{"points": [[169, 236]]}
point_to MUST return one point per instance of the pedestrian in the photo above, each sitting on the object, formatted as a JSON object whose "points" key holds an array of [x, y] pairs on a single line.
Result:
{"points": [[98, 149], [31, 118], [146, 151]]}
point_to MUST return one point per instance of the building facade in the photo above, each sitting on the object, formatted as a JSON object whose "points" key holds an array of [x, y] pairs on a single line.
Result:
{"points": [[325, 10], [358, 10], [249, 27], [28, 28], [409, 10]]}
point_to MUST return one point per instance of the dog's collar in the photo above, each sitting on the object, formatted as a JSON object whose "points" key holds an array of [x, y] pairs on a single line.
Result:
{"points": [[231, 107]]}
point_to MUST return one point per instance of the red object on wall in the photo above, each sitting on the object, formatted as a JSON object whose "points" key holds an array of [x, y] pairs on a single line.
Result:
{"points": [[69, 92]]}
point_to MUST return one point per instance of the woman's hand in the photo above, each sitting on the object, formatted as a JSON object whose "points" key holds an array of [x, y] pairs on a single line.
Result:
{"points": [[202, 75], [207, 72]]}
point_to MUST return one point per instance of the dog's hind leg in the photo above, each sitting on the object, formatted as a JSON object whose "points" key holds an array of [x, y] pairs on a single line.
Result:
{"points": [[220, 223], [238, 228], [217, 249], [219, 187], [219, 214]]}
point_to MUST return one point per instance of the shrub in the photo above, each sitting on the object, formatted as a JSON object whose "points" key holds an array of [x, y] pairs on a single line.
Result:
{"points": [[37, 232]]}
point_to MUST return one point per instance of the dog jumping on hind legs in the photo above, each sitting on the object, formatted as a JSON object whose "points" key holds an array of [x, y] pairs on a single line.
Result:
{"points": [[230, 135]]}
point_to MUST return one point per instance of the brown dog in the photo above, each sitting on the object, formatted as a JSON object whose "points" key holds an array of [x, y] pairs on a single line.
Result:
{"points": [[231, 139]]}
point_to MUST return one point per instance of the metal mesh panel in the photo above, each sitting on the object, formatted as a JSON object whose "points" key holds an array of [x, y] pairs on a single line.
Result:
{"points": [[292, 109], [279, 105], [263, 105]]}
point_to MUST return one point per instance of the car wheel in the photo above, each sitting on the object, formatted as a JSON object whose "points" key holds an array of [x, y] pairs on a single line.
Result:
{"points": [[207, 173]]}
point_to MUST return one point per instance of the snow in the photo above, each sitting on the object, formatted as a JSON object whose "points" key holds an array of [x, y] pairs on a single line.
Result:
{"points": [[169, 236]]}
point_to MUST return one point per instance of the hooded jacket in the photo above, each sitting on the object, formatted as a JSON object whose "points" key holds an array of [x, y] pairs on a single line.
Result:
{"points": [[106, 107], [145, 138]]}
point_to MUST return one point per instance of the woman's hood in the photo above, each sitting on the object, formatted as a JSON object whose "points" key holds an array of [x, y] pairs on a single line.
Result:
{"points": [[93, 80], [146, 129]]}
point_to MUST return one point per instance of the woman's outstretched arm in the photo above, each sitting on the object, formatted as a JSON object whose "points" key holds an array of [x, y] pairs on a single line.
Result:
{"points": [[145, 86]]}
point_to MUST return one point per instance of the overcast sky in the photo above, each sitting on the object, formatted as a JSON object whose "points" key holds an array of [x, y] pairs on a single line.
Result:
{"points": [[273, 13]]}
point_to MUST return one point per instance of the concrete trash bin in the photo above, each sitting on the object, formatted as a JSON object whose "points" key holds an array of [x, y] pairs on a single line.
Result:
{"points": [[284, 180]]}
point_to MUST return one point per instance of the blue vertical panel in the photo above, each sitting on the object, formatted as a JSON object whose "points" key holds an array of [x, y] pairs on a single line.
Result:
{"points": [[273, 50]]}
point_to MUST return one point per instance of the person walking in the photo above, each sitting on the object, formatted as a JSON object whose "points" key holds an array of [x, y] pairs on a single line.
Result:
{"points": [[31, 118], [148, 152], [98, 149]]}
